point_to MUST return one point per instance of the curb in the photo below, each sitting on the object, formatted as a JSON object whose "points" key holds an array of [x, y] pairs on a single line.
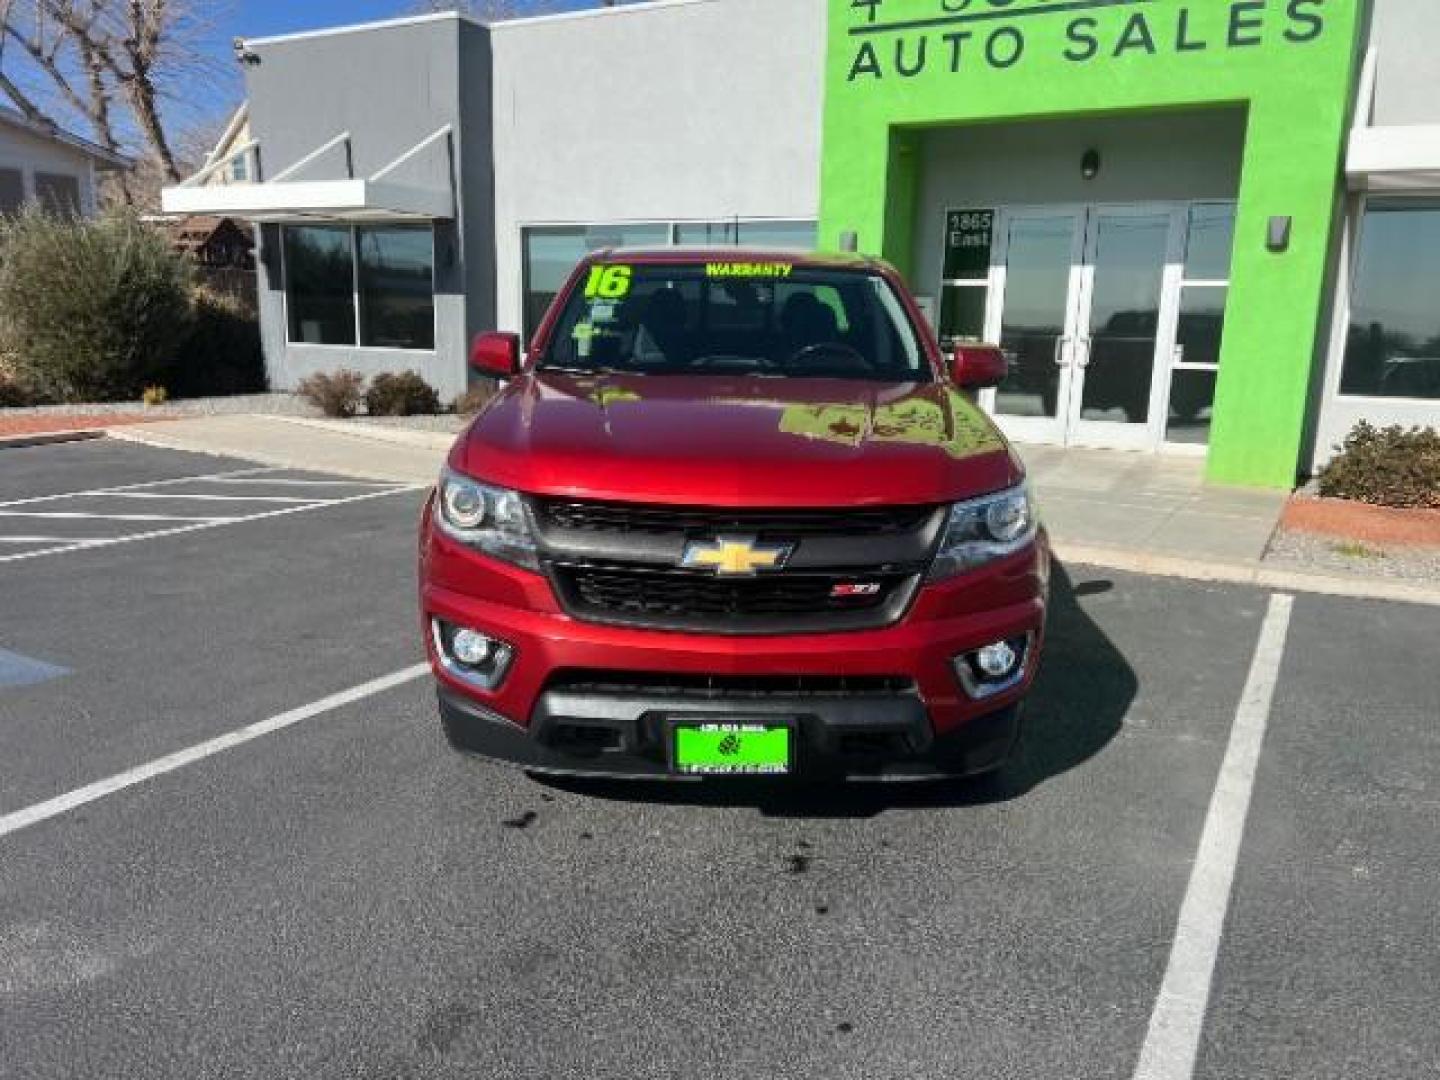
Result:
{"points": [[50, 438], [424, 440], [259, 458], [1256, 574]]}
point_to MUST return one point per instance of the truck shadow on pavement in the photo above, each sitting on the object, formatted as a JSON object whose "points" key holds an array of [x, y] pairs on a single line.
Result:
{"points": [[1076, 708]]}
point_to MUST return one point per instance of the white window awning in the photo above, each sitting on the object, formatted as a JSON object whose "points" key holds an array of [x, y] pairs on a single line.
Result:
{"points": [[1394, 159], [336, 200], [1389, 157], [377, 198]]}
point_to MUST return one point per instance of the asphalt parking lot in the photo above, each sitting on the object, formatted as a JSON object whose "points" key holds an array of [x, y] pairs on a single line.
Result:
{"points": [[336, 894]]}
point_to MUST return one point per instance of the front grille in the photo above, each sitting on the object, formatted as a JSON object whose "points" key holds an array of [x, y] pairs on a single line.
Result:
{"points": [[639, 518], [683, 599], [729, 686], [848, 569]]}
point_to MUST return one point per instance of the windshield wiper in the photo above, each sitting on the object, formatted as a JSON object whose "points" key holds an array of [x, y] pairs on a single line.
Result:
{"points": [[559, 370]]}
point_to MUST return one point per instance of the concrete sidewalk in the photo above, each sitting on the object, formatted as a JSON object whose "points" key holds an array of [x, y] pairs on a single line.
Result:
{"points": [[366, 453], [1145, 502], [1122, 511]]}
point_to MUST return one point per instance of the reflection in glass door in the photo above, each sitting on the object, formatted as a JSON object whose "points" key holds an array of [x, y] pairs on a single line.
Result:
{"points": [[1130, 255], [1040, 255]]}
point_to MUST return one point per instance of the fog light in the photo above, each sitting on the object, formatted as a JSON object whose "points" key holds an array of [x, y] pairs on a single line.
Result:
{"points": [[471, 647], [995, 668], [996, 661], [470, 656]]}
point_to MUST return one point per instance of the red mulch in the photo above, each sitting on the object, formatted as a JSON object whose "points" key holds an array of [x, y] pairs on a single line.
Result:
{"points": [[49, 423], [1362, 522]]}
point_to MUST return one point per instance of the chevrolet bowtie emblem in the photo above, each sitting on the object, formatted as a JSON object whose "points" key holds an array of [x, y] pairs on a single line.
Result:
{"points": [[735, 556]]}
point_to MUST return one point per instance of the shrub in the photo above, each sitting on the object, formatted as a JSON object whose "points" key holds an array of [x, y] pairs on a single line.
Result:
{"points": [[336, 395], [406, 394], [13, 392], [473, 400], [1389, 467], [221, 352], [155, 395], [90, 310]]}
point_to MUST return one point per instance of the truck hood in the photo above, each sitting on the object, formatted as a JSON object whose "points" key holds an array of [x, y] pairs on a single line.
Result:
{"points": [[736, 441]]}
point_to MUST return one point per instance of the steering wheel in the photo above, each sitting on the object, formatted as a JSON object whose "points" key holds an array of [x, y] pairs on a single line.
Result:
{"points": [[848, 356]]}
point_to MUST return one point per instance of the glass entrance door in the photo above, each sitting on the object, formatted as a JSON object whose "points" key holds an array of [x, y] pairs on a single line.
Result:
{"points": [[1033, 317], [1125, 313], [1083, 300]]}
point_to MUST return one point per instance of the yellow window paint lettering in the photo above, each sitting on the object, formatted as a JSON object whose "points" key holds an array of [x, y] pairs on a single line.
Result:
{"points": [[608, 283], [766, 270]]}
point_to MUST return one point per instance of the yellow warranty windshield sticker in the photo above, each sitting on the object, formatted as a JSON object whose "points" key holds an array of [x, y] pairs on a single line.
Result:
{"points": [[608, 283], [768, 271]]}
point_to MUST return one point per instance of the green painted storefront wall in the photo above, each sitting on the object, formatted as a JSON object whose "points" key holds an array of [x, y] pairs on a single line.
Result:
{"points": [[895, 67]]}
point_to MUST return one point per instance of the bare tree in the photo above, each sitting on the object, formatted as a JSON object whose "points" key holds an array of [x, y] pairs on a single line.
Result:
{"points": [[110, 62]]}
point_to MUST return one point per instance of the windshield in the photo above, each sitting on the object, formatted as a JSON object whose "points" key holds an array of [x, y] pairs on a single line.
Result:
{"points": [[766, 319]]}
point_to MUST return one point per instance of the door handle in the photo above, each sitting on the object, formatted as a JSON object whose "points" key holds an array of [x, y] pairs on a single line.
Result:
{"points": [[1082, 352], [1061, 343]]}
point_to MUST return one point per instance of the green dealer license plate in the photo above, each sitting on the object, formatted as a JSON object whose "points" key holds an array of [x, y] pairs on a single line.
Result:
{"points": [[732, 749]]}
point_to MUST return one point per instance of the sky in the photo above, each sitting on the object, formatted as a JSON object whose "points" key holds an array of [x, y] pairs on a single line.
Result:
{"points": [[262, 18]]}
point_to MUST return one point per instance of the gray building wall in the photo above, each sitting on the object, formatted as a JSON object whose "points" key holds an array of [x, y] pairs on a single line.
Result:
{"points": [[1406, 34], [696, 110], [390, 87], [1144, 157]]}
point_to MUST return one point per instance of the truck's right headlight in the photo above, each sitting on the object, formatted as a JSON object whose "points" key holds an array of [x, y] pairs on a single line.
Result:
{"points": [[489, 519], [979, 531]]}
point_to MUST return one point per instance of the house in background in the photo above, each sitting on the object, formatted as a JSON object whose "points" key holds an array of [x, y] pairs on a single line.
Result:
{"points": [[239, 166], [216, 243], [59, 170]]}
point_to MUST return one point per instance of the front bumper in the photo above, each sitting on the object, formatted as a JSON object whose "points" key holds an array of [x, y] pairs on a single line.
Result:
{"points": [[628, 735], [564, 675]]}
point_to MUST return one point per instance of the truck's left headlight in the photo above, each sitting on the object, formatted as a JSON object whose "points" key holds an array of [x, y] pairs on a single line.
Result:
{"points": [[980, 531], [489, 519]]}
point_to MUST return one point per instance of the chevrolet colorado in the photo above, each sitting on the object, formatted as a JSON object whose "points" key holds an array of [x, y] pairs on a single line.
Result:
{"points": [[734, 513]]}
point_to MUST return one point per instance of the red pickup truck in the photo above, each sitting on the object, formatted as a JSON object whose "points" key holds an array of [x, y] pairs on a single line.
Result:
{"points": [[734, 514]]}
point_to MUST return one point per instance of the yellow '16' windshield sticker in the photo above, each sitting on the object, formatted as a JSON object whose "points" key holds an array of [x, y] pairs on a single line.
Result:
{"points": [[608, 283], [762, 270]]}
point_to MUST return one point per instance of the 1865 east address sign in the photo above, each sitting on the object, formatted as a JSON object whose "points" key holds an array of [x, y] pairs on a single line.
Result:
{"points": [[956, 35], [969, 237]]}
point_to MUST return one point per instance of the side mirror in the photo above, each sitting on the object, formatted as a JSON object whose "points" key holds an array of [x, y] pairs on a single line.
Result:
{"points": [[978, 367], [496, 355]]}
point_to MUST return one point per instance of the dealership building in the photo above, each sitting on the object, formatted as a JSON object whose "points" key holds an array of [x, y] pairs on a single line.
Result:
{"points": [[1206, 227]]}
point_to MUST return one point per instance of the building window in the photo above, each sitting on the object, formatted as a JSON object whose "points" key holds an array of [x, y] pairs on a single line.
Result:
{"points": [[550, 252], [240, 169], [12, 191], [1209, 243], [965, 290], [320, 284], [397, 287], [58, 194], [797, 235], [1392, 349], [383, 300]]}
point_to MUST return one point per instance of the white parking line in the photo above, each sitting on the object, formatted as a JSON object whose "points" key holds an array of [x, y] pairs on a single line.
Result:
{"points": [[61, 804], [271, 481], [203, 524], [208, 477], [50, 540], [169, 497], [75, 515], [1172, 1042]]}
